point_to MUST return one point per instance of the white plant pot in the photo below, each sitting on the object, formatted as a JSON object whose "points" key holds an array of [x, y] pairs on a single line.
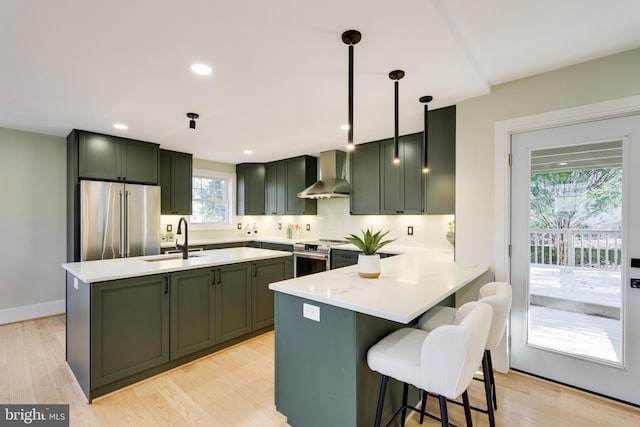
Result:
{"points": [[369, 266]]}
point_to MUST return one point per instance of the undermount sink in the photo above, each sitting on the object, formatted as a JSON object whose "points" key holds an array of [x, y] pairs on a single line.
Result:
{"points": [[170, 257]]}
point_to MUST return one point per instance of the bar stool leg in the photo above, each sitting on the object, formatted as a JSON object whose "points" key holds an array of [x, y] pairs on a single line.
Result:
{"points": [[467, 409], [383, 388], [444, 416], [487, 390], [423, 408], [405, 393], [493, 381]]}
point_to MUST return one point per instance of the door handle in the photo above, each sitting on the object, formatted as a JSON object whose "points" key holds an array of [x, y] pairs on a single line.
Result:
{"points": [[214, 277], [166, 285], [254, 269]]}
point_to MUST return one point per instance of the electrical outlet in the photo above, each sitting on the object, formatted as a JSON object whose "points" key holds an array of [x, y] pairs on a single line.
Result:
{"points": [[169, 228], [635, 283], [308, 227], [410, 230], [279, 226]]}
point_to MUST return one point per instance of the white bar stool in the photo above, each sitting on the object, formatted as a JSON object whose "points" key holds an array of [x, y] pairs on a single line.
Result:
{"points": [[498, 296], [442, 361]]}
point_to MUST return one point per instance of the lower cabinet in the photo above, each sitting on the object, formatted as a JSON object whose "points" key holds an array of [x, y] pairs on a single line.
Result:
{"points": [[121, 331], [192, 311], [263, 273], [233, 301], [129, 327]]}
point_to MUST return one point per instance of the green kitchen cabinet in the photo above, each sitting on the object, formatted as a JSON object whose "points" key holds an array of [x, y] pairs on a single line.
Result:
{"points": [[233, 300], [192, 311], [265, 272], [285, 248], [301, 172], [365, 179], [176, 173], [129, 327], [402, 189], [112, 158], [275, 188], [250, 180], [441, 180]]}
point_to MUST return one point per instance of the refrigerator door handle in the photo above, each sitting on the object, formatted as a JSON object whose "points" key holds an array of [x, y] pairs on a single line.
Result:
{"points": [[121, 246], [126, 224]]}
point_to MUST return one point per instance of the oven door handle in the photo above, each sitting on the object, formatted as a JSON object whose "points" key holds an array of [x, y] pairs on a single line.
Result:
{"points": [[310, 255]]}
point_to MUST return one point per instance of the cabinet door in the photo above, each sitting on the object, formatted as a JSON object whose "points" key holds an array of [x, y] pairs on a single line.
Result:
{"points": [[413, 180], [129, 327], [250, 188], [441, 180], [365, 179], [275, 188], [341, 258], [233, 301], [301, 172], [192, 311], [263, 273], [181, 183], [139, 162], [165, 182], [98, 157], [391, 176]]}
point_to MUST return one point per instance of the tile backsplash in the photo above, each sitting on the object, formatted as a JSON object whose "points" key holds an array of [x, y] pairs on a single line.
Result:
{"points": [[333, 221]]}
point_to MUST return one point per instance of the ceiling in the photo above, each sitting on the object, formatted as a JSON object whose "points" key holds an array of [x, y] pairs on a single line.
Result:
{"points": [[279, 82]]}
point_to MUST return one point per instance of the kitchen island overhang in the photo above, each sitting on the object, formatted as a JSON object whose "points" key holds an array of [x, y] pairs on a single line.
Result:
{"points": [[325, 323], [129, 319]]}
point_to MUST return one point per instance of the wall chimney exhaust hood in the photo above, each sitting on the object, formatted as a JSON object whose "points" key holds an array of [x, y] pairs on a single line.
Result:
{"points": [[332, 182]]}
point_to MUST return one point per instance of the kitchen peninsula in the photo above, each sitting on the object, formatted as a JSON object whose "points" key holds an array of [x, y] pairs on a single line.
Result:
{"points": [[131, 318], [325, 323]]}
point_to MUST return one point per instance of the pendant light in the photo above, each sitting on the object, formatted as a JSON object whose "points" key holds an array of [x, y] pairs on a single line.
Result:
{"points": [[351, 38], [192, 119], [396, 75], [425, 135]]}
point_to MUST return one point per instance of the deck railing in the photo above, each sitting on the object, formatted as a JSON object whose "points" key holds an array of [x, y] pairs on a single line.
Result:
{"points": [[577, 248]]}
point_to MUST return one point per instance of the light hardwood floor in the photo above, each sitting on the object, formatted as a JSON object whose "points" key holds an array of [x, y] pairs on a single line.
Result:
{"points": [[234, 387]]}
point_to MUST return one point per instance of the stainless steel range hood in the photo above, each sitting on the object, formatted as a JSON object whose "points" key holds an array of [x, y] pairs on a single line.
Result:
{"points": [[332, 182]]}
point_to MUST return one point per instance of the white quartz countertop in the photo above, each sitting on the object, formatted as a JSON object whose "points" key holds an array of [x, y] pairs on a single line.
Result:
{"points": [[122, 268], [409, 285]]}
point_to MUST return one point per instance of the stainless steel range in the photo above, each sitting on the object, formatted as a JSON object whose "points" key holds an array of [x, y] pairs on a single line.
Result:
{"points": [[313, 256]]}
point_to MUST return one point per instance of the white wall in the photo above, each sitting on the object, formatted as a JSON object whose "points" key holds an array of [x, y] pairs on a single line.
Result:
{"points": [[32, 224], [603, 79]]}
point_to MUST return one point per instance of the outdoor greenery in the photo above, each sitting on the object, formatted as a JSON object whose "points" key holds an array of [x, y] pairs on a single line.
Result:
{"points": [[370, 241], [570, 199], [210, 200]]}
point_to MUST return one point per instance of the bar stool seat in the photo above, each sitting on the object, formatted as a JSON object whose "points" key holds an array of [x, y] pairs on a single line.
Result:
{"points": [[498, 295], [442, 361]]}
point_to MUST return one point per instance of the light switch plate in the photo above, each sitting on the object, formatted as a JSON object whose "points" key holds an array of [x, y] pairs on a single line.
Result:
{"points": [[311, 312], [410, 230]]}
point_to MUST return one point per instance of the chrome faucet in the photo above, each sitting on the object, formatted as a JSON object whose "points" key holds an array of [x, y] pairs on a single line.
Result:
{"points": [[185, 247]]}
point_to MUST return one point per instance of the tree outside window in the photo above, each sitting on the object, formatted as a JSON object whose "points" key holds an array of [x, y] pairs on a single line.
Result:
{"points": [[211, 200]]}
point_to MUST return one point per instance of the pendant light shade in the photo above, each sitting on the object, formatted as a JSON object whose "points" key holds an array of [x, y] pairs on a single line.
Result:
{"points": [[351, 38], [396, 75], [425, 135]]}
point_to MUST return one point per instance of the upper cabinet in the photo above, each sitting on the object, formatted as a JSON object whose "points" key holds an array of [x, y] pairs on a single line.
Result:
{"points": [[379, 186], [301, 172], [441, 180], [365, 179], [402, 184], [250, 188], [112, 158], [275, 188], [176, 172]]}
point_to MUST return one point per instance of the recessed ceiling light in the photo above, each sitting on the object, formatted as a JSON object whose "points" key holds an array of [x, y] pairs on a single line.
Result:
{"points": [[345, 126], [120, 126], [248, 152], [202, 69], [562, 164]]}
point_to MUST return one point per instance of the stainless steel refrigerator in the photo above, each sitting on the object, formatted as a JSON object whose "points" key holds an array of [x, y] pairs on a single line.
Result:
{"points": [[118, 220]]}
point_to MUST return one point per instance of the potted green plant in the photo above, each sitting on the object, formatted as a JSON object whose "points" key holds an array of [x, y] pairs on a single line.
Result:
{"points": [[369, 244]]}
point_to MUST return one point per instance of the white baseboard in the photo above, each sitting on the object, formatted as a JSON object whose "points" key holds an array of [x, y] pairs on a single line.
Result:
{"points": [[33, 311]]}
